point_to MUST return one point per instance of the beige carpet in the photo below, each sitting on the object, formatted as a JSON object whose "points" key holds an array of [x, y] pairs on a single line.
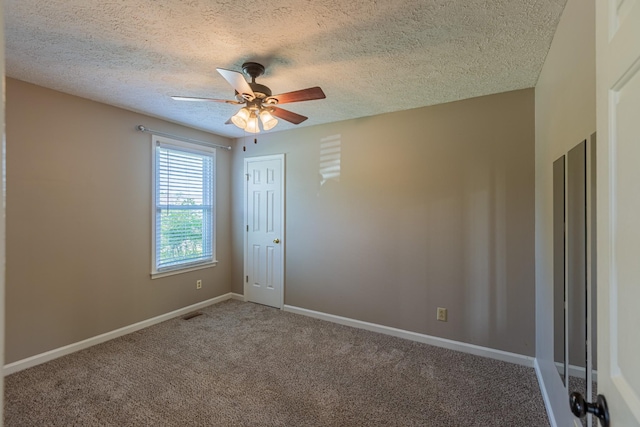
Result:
{"points": [[241, 364]]}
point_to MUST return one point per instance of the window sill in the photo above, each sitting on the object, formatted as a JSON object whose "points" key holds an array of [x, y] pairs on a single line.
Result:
{"points": [[159, 274]]}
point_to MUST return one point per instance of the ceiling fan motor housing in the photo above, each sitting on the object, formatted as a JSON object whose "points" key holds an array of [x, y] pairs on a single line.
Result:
{"points": [[255, 70], [261, 91]]}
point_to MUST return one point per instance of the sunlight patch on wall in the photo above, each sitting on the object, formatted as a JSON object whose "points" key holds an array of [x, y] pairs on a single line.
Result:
{"points": [[330, 151]]}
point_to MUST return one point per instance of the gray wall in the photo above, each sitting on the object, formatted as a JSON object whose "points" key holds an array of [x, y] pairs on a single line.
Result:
{"points": [[79, 222], [565, 107], [434, 207]]}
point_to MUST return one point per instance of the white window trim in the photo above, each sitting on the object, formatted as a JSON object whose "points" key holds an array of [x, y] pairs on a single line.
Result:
{"points": [[166, 273], [155, 274]]}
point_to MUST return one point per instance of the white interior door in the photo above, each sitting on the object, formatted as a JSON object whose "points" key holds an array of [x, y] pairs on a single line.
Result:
{"points": [[618, 181], [264, 227]]}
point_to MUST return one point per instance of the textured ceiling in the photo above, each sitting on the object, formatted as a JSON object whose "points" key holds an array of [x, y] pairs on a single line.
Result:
{"points": [[369, 56]]}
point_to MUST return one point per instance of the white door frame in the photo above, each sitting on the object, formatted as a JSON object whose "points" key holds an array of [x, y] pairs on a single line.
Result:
{"points": [[283, 239], [2, 205]]}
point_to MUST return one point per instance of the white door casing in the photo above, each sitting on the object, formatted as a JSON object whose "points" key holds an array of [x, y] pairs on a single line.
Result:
{"points": [[2, 204], [264, 229], [618, 205]]}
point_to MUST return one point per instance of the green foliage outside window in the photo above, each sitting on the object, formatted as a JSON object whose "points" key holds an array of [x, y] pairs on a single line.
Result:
{"points": [[181, 231]]}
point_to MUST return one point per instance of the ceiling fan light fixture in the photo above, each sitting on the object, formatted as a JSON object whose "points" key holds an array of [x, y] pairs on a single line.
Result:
{"points": [[252, 123], [268, 121], [259, 100], [241, 118]]}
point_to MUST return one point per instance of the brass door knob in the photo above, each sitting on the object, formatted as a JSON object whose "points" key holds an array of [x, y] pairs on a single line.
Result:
{"points": [[276, 240]]}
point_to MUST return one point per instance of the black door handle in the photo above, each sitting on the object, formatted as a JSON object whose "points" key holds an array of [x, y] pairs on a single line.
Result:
{"points": [[580, 407]]}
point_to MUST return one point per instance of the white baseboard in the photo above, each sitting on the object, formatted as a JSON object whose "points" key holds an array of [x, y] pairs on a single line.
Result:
{"points": [[238, 297], [545, 395], [414, 336], [81, 345], [577, 371], [505, 356]]}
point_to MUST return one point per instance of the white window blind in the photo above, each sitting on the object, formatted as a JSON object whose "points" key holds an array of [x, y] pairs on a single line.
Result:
{"points": [[184, 206]]}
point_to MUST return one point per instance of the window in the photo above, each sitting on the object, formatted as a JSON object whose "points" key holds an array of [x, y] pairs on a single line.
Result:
{"points": [[184, 211]]}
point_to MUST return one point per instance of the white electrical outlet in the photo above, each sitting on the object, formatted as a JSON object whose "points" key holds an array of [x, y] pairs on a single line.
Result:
{"points": [[198, 284], [442, 314]]}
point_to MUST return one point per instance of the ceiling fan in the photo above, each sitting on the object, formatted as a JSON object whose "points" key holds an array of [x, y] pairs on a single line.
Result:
{"points": [[258, 100]]}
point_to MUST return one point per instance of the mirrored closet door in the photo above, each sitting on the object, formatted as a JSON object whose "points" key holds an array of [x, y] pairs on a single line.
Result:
{"points": [[574, 267]]}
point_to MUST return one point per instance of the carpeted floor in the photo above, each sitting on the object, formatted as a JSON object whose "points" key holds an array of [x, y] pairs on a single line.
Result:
{"points": [[242, 364]]}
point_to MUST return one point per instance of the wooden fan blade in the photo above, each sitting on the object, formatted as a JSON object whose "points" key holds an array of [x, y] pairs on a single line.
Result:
{"points": [[300, 95], [190, 98], [287, 115], [237, 81]]}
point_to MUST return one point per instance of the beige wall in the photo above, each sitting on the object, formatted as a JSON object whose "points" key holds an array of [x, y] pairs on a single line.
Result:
{"points": [[79, 222], [434, 208], [565, 115]]}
